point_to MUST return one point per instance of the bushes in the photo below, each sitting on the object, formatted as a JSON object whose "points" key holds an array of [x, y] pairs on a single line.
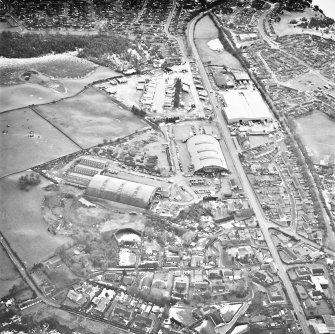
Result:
{"points": [[29, 180], [15, 45]]}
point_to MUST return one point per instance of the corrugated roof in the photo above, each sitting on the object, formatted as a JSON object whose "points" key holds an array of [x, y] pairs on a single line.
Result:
{"points": [[205, 152], [119, 190], [245, 105]]}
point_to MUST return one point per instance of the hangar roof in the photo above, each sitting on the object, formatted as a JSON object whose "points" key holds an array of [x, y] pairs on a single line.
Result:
{"points": [[205, 152], [120, 190]]}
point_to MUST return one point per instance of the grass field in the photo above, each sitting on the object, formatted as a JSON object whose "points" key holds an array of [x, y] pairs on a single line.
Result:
{"points": [[318, 134], [91, 117], [8, 273], [18, 96], [205, 28], [55, 66], [307, 82], [19, 151], [22, 223], [205, 31]]}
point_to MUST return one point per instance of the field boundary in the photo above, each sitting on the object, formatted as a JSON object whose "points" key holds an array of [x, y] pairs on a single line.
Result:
{"points": [[66, 97], [67, 136]]}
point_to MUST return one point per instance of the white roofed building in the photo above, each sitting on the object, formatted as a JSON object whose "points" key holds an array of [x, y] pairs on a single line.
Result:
{"points": [[245, 105], [206, 154]]}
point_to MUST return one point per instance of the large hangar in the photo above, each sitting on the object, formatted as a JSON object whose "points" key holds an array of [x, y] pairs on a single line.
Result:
{"points": [[245, 105], [121, 191], [206, 154]]}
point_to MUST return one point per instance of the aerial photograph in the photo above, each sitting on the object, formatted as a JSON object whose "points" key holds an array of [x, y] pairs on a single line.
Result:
{"points": [[167, 166]]}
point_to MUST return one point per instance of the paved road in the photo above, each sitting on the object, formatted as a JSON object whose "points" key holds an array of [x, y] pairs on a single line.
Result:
{"points": [[246, 185], [227, 327]]}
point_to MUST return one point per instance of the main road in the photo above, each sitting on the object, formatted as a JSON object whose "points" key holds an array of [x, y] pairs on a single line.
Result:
{"points": [[244, 180]]}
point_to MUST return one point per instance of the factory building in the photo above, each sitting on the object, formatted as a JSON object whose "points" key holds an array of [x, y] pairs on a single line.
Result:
{"points": [[206, 154], [121, 191], [245, 105]]}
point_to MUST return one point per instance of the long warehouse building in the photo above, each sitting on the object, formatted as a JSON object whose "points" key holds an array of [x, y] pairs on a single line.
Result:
{"points": [[206, 154], [121, 191], [245, 105]]}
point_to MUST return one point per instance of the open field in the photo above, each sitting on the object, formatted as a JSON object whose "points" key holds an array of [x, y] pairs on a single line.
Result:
{"points": [[22, 223], [205, 28], [18, 96], [91, 117], [317, 133], [55, 66], [307, 82], [8, 273], [215, 57], [19, 151], [205, 31]]}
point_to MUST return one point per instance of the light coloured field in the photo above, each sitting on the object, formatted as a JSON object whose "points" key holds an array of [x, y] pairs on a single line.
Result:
{"points": [[216, 58], [205, 31], [54, 66], [318, 134], [19, 151], [205, 28], [307, 82], [91, 117], [127, 92], [18, 96], [22, 224]]}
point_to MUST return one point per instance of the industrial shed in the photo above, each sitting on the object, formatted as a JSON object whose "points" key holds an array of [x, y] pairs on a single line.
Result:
{"points": [[245, 105], [206, 154], [122, 191]]}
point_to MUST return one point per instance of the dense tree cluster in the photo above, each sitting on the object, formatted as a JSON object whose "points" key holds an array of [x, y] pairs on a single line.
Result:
{"points": [[28, 180], [320, 23], [177, 87], [15, 45], [138, 111]]}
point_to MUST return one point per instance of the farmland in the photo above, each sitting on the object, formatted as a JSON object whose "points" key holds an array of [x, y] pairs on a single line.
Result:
{"points": [[91, 117], [317, 133], [22, 222], [28, 140]]}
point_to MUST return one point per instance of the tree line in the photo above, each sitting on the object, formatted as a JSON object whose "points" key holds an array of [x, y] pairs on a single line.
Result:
{"points": [[15, 45]]}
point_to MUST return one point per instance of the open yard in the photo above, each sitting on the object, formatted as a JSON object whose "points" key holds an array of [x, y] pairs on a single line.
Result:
{"points": [[317, 133], [28, 140], [142, 151], [91, 117], [22, 224]]}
